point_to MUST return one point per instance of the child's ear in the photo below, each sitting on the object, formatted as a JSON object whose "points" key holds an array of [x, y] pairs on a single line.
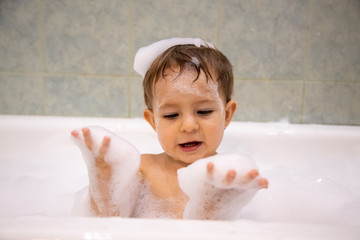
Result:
{"points": [[149, 117], [230, 109]]}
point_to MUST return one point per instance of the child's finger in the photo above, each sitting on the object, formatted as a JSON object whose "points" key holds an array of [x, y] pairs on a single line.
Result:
{"points": [[263, 183], [230, 176], [87, 138], [252, 174], [104, 148], [75, 134], [210, 169]]}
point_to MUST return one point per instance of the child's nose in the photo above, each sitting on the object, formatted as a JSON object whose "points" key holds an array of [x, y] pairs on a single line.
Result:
{"points": [[189, 124]]}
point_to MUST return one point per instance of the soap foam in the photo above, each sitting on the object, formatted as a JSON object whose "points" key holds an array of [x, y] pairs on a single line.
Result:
{"points": [[146, 55], [203, 189], [124, 159], [150, 206], [312, 191]]}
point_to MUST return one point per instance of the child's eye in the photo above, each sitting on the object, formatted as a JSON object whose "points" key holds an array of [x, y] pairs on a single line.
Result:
{"points": [[204, 112], [171, 116]]}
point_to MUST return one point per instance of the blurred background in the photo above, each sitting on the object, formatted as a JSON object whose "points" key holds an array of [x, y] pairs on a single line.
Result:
{"points": [[295, 60]]}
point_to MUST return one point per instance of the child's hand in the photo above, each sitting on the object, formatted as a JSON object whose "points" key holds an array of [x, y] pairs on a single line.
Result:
{"points": [[102, 168], [112, 164], [219, 186], [249, 180]]}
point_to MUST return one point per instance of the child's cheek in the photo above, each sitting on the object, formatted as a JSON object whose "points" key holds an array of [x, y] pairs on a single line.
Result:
{"points": [[216, 130], [161, 133], [164, 137]]}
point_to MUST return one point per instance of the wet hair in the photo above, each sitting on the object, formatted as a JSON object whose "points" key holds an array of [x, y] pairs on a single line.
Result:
{"points": [[211, 61]]}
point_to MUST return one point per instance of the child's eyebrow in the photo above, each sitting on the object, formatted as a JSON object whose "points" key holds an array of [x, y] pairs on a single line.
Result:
{"points": [[167, 105], [172, 105], [210, 100]]}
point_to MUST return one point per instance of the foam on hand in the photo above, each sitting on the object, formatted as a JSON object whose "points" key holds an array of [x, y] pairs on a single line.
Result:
{"points": [[145, 56], [124, 159], [210, 197]]}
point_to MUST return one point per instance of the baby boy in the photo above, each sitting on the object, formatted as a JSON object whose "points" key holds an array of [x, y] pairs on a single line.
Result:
{"points": [[188, 85]]}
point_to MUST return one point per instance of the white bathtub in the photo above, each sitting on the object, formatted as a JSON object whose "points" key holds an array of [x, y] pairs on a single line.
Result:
{"points": [[314, 174]]}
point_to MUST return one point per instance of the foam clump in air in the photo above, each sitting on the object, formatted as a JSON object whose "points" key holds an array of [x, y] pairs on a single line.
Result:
{"points": [[124, 160], [145, 56], [211, 195]]}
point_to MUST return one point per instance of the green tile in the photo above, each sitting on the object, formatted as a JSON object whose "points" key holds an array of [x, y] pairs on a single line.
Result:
{"points": [[21, 94], [335, 41], [87, 96], [332, 103], [267, 101], [86, 36], [19, 36], [265, 39], [137, 98]]}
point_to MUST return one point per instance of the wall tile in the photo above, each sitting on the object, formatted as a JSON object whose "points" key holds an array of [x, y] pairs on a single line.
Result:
{"points": [[268, 101], [137, 98], [335, 40], [332, 103], [159, 19], [86, 36], [86, 96], [21, 94], [19, 42], [265, 39], [292, 59]]}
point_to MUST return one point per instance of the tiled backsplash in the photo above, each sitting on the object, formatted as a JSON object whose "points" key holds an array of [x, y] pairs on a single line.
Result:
{"points": [[297, 60]]}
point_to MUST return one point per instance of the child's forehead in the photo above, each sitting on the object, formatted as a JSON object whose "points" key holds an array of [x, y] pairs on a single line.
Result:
{"points": [[188, 80], [174, 76], [184, 86]]}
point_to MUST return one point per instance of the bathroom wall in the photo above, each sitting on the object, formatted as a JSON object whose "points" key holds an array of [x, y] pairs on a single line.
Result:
{"points": [[297, 60]]}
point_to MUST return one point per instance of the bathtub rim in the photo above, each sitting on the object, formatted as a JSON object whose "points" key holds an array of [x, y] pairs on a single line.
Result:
{"points": [[127, 228]]}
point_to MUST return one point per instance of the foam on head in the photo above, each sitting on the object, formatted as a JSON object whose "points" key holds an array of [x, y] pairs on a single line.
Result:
{"points": [[145, 56]]}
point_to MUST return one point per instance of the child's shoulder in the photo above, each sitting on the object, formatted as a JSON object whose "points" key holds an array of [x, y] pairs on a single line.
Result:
{"points": [[147, 158], [148, 161]]}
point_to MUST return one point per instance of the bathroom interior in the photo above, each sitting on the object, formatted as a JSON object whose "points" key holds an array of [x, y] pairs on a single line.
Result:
{"points": [[65, 64]]}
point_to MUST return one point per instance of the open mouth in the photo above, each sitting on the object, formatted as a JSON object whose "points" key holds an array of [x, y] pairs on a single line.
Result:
{"points": [[190, 146]]}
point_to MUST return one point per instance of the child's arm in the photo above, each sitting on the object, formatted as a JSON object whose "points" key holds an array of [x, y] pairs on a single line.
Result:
{"points": [[219, 186], [112, 165]]}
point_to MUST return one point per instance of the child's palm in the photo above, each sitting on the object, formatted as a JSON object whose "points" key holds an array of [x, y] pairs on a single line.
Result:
{"points": [[112, 165], [219, 186]]}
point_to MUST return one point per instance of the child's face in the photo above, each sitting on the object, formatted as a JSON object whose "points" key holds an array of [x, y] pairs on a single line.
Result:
{"points": [[189, 116]]}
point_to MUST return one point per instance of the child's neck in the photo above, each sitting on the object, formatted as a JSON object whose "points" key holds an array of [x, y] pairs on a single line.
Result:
{"points": [[171, 163]]}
